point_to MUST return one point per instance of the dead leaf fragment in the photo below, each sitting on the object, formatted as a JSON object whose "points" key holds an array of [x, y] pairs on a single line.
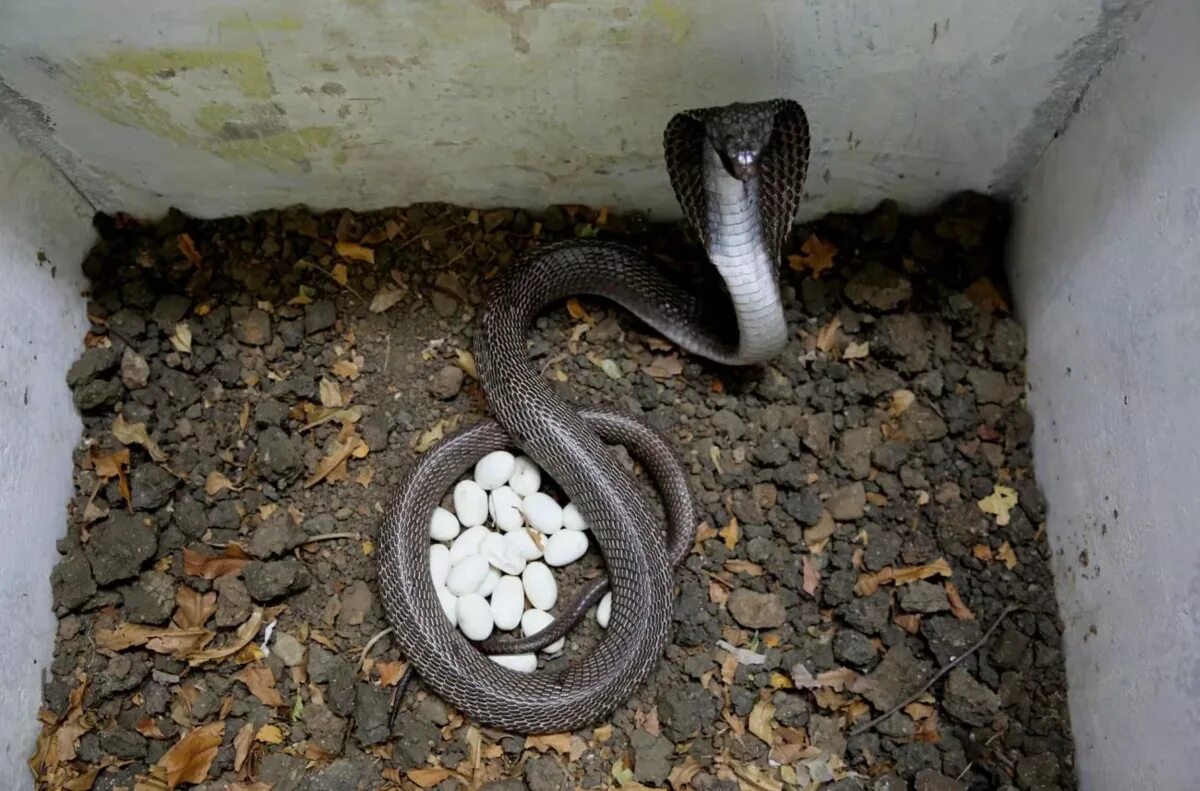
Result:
{"points": [[1005, 553], [189, 760], [181, 338], [196, 564], [811, 578], [188, 248], [386, 297], [903, 576], [242, 744], [682, 774], [901, 401], [331, 394], [269, 734], [762, 721], [665, 366], [193, 609], [216, 483], [999, 503], [986, 296], [856, 351], [827, 336], [355, 252], [559, 742], [466, 361], [261, 683], [815, 256], [730, 533], [429, 776], [244, 635], [136, 434], [958, 608]]}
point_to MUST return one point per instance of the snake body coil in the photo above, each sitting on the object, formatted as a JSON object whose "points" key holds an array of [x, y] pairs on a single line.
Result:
{"points": [[737, 173]]}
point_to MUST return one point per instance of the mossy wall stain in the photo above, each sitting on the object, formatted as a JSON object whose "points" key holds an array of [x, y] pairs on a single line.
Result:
{"points": [[131, 87], [672, 17]]}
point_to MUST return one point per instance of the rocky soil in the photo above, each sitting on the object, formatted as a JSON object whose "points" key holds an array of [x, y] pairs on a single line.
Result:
{"points": [[252, 389]]}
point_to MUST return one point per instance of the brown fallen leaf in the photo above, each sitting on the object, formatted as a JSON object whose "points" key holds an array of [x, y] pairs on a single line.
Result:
{"points": [[149, 728], [355, 252], [162, 641], [910, 623], [390, 673], [982, 552], [428, 777], [577, 311], [466, 361], [811, 578], [730, 533], [762, 721], [986, 296], [658, 344], [269, 734], [136, 434], [665, 366], [901, 401], [244, 635], [907, 574], [836, 679], [261, 683], [346, 369], [340, 274], [188, 248], [815, 255], [181, 338], [386, 297], [242, 744], [331, 394], [958, 608], [737, 566], [1005, 553], [751, 778], [343, 450], [827, 335], [856, 351], [216, 482], [999, 503], [196, 564], [559, 742], [682, 774], [192, 608], [249, 787], [189, 760]]}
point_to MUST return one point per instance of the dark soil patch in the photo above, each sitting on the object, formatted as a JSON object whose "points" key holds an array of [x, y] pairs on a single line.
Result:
{"points": [[252, 390]]}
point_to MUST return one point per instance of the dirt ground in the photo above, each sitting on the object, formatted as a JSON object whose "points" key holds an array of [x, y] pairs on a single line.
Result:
{"points": [[253, 387]]}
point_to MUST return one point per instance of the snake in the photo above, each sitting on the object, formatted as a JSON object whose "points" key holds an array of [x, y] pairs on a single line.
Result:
{"points": [[737, 172]]}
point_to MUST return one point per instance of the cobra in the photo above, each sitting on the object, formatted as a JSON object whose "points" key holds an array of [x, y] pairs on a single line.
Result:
{"points": [[737, 172]]}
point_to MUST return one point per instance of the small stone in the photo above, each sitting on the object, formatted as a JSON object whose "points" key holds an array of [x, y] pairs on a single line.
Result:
{"points": [[280, 454], [852, 647], [882, 550], [251, 327], [854, 451], [151, 487], [948, 637], [847, 503], [804, 506], [150, 600], [969, 701], [233, 602], [933, 780], [923, 597], [878, 287], [344, 774], [282, 772], [270, 412], [826, 734], [71, 581], [545, 773], [728, 423], [356, 602], [266, 582], [1006, 344], [97, 393], [893, 678], [433, 710], [890, 455], [135, 371], [119, 546], [1011, 650], [123, 743], [415, 739], [371, 714], [921, 423], [92, 364], [325, 729], [868, 614], [289, 650], [1038, 772], [444, 304], [757, 610], [990, 387], [447, 382], [684, 709], [651, 757], [319, 315], [127, 324], [277, 535], [912, 758]]}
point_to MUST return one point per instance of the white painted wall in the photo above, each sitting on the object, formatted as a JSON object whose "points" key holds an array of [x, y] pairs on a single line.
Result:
{"points": [[1106, 269], [225, 106], [42, 322]]}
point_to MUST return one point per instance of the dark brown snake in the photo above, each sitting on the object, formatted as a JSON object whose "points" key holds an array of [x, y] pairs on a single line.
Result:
{"points": [[737, 172]]}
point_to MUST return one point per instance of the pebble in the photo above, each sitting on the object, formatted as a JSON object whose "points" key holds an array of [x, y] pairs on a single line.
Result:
{"points": [[604, 610], [540, 586], [494, 469], [757, 610], [449, 604], [572, 519], [468, 543], [522, 663], [508, 602], [443, 525], [447, 382], [467, 575], [474, 616], [565, 547], [526, 477], [542, 513], [534, 621], [526, 545], [470, 503], [504, 505], [439, 564]]}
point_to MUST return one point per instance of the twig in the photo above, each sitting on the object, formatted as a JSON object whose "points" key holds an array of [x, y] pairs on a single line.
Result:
{"points": [[328, 274], [925, 687], [330, 537], [371, 644]]}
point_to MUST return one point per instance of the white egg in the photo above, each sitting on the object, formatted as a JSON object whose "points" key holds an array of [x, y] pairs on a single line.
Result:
{"points": [[470, 503], [449, 604], [490, 580], [604, 610], [474, 616], [502, 554], [542, 513], [565, 547], [508, 602], [443, 525], [572, 519], [526, 477], [468, 542], [528, 543], [540, 587], [505, 507], [494, 469], [439, 564], [534, 621], [467, 575], [522, 663]]}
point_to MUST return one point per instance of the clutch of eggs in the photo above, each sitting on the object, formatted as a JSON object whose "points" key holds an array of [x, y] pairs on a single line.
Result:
{"points": [[491, 556]]}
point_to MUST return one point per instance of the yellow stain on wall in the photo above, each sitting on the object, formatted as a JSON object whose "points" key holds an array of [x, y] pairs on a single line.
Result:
{"points": [[673, 17], [247, 24]]}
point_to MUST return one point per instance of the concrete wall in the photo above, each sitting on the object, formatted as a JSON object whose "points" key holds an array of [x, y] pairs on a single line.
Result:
{"points": [[224, 106], [1107, 275], [45, 230]]}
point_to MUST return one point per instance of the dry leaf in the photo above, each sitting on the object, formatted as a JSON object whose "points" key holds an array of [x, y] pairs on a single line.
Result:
{"points": [[958, 608], [901, 400], [269, 734], [837, 679], [429, 776], [827, 336], [815, 256], [1005, 553], [181, 338], [386, 297], [743, 567], [603, 733], [751, 778], [242, 744], [856, 351], [355, 252], [907, 574], [189, 760], [217, 482], [986, 296], [261, 683], [390, 673], [982, 552], [664, 367], [177, 642], [346, 369], [731, 532], [718, 594], [811, 578], [434, 435], [576, 311], [658, 344], [682, 774], [196, 564], [999, 503], [909, 623], [136, 434], [340, 274], [245, 634], [762, 721], [188, 248], [149, 728], [352, 445], [559, 742], [248, 787], [331, 394], [466, 361], [193, 609]]}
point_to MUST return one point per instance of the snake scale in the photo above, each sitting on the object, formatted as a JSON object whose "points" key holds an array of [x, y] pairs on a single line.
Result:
{"points": [[737, 172]]}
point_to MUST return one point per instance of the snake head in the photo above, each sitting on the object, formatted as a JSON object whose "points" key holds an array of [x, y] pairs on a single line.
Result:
{"points": [[738, 133]]}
